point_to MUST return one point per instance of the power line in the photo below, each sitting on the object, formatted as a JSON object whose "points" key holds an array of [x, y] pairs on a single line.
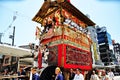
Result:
{"points": [[14, 18], [16, 14]]}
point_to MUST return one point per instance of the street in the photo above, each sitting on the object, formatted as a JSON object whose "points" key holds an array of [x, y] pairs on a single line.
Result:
{"points": [[117, 78]]}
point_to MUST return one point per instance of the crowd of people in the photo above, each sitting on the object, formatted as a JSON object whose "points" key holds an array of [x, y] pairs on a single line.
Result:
{"points": [[73, 74], [42, 50], [102, 76], [77, 74], [21, 74], [95, 75]]}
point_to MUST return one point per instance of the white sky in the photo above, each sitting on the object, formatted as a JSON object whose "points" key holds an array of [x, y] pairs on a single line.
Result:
{"points": [[102, 12]]}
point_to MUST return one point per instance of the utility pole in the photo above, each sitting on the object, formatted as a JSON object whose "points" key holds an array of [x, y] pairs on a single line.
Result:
{"points": [[1, 34], [13, 36]]}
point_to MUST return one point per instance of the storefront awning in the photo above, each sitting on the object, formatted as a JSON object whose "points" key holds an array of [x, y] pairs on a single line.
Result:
{"points": [[14, 51]]}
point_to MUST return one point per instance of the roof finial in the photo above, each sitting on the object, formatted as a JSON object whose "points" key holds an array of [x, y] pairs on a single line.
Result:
{"points": [[57, 0]]}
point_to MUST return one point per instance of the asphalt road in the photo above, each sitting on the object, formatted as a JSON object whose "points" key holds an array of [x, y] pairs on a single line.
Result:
{"points": [[117, 78]]}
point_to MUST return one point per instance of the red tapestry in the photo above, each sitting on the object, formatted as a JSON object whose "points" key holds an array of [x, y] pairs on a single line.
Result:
{"points": [[39, 60], [78, 58]]}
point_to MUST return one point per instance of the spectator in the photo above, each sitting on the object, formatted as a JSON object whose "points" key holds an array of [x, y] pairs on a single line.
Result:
{"points": [[21, 72], [6, 73], [94, 76], [100, 75], [111, 75], [87, 75], [35, 74], [105, 76], [58, 73], [78, 75], [71, 75]]}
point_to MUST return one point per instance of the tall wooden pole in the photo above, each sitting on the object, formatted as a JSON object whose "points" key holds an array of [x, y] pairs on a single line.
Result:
{"points": [[13, 36], [1, 37]]}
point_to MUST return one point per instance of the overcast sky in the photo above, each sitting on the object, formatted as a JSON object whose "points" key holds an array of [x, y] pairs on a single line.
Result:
{"points": [[102, 12]]}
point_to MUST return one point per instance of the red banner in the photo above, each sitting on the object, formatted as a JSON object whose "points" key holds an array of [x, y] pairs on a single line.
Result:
{"points": [[39, 59], [77, 58]]}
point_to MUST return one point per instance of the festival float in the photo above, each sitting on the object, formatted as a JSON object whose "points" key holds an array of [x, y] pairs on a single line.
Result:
{"points": [[65, 34]]}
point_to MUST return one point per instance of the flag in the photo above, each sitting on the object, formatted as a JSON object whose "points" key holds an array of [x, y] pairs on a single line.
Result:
{"points": [[39, 59], [37, 33]]}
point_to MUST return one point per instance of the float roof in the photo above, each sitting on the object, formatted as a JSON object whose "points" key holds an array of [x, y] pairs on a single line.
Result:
{"points": [[44, 11]]}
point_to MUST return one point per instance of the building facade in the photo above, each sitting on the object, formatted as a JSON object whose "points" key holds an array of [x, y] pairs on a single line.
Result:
{"points": [[95, 52], [117, 51], [9, 63], [105, 46]]}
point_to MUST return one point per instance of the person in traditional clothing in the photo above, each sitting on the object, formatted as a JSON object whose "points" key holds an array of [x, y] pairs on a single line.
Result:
{"points": [[94, 76], [105, 76], [78, 75], [45, 53], [58, 73], [35, 63], [111, 75]]}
